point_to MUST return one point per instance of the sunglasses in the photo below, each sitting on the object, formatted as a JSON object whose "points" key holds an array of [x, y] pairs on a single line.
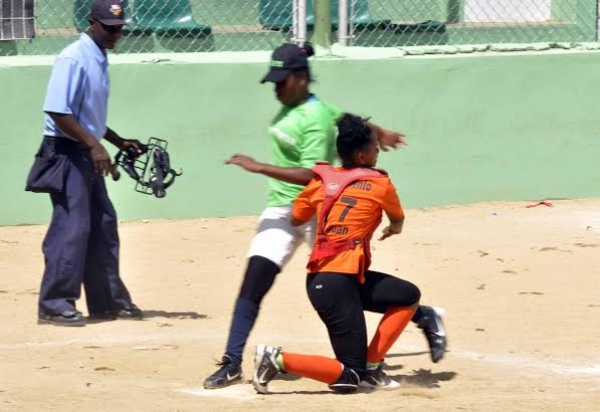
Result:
{"points": [[111, 29]]}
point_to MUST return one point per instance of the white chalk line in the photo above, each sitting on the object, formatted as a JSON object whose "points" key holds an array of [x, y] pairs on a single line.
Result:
{"points": [[508, 361], [523, 362], [240, 392]]}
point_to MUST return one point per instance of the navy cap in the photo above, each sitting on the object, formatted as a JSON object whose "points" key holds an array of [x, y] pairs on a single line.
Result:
{"points": [[286, 59], [108, 12]]}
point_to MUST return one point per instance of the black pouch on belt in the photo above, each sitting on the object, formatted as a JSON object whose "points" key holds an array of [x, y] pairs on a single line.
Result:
{"points": [[48, 172]]}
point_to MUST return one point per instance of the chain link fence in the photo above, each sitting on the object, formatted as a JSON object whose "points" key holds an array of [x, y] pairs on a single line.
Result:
{"points": [[246, 25], [165, 26], [464, 22]]}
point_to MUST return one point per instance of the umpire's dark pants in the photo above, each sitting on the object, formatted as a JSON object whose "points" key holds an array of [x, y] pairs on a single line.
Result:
{"points": [[340, 300], [82, 242]]}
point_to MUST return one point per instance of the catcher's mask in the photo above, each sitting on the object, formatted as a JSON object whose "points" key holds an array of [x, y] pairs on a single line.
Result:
{"points": [[151, 169]]}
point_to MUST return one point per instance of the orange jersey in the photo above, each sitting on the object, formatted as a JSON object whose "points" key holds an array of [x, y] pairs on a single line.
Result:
{"points": [[352, 216]]}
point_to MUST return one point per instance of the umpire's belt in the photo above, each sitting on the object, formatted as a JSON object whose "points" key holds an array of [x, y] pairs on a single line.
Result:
{"points": [[64, 144]]}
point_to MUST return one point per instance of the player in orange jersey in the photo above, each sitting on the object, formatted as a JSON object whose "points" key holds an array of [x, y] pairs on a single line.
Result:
{"points": [[349, 202]]}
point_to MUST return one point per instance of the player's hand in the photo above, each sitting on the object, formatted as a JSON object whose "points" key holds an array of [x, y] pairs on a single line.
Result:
{"points": [[134, 144], [101, 159], [245, 162], [389, 231], [390, 139]]}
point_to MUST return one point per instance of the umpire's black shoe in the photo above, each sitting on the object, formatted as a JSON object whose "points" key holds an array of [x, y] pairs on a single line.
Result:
{"points": [[70, 317], [433, 328], [128, 312], [229, 372]]}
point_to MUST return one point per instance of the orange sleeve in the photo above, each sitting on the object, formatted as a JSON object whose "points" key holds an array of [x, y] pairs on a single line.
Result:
{"points": [[391, 201], [304, 208]]}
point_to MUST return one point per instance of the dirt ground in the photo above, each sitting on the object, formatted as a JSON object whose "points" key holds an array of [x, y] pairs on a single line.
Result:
{"points": [[520, 287]]}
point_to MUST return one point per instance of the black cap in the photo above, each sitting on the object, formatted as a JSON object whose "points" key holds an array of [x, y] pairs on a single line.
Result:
{"points": [[108, 12], [285, 59]]}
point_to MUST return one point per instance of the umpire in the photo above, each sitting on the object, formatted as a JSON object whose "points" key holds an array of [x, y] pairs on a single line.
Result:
{"points": [[82, 242]]}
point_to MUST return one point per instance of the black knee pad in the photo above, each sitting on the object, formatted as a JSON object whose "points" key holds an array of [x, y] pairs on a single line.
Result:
{"points": [[415, 293], [258, 279]]}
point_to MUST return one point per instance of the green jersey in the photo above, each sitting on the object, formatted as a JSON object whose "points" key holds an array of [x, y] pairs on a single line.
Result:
{"points": [[299, 137]]}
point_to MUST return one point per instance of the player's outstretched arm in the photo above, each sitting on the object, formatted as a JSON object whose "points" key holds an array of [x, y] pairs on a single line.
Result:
{"points": [[388, 138], [295, 175]]}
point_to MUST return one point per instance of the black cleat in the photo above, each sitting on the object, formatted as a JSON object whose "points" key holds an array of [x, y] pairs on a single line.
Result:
{"points": [[434, 331], [377, 379], [229, 372], [347, 382]]}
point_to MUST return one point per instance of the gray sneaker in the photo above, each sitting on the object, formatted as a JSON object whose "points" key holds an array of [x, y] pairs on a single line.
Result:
{"points": [[265, 367], [229, 372]]}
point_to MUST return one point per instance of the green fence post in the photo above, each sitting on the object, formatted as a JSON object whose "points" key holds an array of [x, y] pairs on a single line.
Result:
{"points": [[322, 35], [454, 11], [598, 21]]}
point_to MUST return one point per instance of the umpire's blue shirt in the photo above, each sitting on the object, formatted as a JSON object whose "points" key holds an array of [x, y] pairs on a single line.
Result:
{"points": [[79, 86]]}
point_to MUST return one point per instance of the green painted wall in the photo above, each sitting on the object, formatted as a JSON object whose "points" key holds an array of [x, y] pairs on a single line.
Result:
{"points": [[480, 129]]}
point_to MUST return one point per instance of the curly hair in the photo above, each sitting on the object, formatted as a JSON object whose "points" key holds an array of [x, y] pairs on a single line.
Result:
{"points": [[353, 135]]}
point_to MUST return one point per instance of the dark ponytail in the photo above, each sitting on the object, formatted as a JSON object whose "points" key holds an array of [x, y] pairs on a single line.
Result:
{"points": [[308, 49]]}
